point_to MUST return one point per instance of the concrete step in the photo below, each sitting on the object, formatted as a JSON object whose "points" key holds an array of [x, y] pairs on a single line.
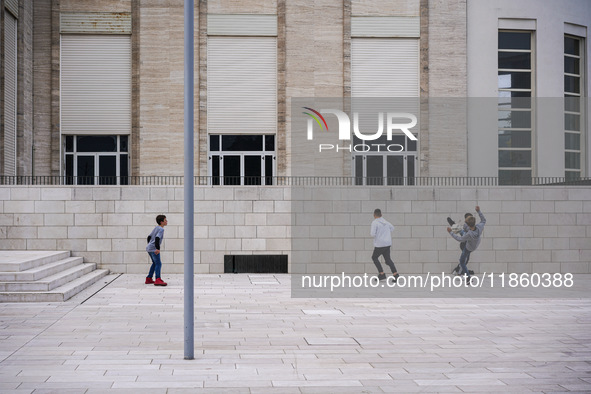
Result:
{"points": [[41, 271], [22, 260], [50, 282], [58, 294]]}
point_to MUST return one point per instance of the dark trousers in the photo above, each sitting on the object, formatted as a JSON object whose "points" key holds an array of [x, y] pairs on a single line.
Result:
{"points": [[385, 251]]}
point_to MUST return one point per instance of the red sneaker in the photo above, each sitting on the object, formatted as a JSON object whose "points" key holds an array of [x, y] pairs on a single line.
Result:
{"points": [[159, 282], [149, 281]]}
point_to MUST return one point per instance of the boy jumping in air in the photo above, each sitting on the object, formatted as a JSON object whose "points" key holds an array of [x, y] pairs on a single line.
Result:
{"points": [[472, 238], [462, 230]]}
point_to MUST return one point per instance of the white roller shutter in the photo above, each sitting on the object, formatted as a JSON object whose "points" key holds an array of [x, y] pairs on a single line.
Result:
{"points": [[10, 56], [241, 85], [385, 67], [95, 84]]}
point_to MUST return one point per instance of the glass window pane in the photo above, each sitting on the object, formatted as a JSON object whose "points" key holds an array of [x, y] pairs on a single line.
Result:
{"points": [[359, 170], [518, 60], [571, 65], [69, 143], [215, 170], [514, 158], [252, 170], [514, 79], [572, 175], [123, 143], [124, 169], [514, 40], [572, 84], [382, 140], [572, 122], [410, 169], [96, 143], [396, 139], [69, 169], [572, 141], [571, 46], [85, 170], [270, 143], [515, 177], [395, 168], [509, 99], [572, 160], [515, 119], [411, 146], [268, 170], [572, 103], [375, 170], [514, 139], [231, 170], [107, 170], [214, 143], [242, 143]]}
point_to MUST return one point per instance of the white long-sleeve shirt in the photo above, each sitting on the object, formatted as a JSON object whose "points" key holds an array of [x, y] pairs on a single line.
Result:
{"points": [[381, 231]]}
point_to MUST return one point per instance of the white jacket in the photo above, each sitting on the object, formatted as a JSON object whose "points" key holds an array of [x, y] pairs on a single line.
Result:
{"points": [[381, 231]]}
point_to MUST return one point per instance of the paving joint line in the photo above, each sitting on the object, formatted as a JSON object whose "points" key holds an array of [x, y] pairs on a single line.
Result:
{"points": [[96, 292], [52, 324]]}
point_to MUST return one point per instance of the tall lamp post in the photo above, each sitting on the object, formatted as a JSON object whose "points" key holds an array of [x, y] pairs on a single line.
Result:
{"points": [[189, 180]]}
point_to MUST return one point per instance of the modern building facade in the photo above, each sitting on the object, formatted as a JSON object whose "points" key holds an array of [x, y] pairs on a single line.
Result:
{"points": [[91, 93], [95, 88]]}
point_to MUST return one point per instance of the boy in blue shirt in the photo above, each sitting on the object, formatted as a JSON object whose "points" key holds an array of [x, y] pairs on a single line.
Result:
{"points": [[154, 242], [457, 228], [472, 238]]}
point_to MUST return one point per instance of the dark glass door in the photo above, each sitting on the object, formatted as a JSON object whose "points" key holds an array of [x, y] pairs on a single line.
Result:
{"points": [[231, 166], [375, 170], [85, 170], [252, 170], [107, 170]]}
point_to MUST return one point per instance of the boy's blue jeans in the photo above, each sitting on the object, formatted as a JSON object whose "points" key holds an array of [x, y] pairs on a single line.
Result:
{"points": [[464, 258], [156, 265]]}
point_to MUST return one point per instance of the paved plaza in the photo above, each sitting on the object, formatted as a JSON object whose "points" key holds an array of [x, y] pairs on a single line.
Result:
{"points": [[251, 336]]}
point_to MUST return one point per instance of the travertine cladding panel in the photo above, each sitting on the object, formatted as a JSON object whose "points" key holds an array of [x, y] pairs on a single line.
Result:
{"points": [[161, 79], [42, 86], [242, 6], [447, 78], [314, 53], [385, 7], [24, 119], [529, 229], [447, 48], [96, 5]]}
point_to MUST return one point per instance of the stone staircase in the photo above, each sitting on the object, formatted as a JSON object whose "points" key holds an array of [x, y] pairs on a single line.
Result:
{"points": [[44, 276]]}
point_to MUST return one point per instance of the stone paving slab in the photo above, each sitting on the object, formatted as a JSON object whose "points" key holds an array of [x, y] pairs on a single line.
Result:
{"points": [[252, 337]]}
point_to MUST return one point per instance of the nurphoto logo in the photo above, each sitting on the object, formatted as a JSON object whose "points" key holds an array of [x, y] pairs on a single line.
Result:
{"points": [[394, 121]]}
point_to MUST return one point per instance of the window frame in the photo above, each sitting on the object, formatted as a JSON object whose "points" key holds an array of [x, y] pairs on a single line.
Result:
{"points": [[581, 110], [532, 108], [74, 178], [386, 180], [264, 154]]}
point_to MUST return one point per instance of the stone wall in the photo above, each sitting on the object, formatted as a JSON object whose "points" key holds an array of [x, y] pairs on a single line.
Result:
{"points": [[529, 229], [42, 87]]}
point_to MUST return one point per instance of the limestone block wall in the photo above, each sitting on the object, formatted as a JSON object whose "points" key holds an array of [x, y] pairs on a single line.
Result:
{"points": [[529, 229]]}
